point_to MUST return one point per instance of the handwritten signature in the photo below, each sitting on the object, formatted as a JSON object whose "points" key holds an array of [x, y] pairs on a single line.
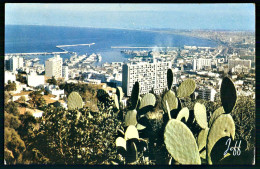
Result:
{"points": [[236, 149]]}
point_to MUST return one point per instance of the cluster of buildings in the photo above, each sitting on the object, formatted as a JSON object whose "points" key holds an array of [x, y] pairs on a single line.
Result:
{"points": [[205, 65]]}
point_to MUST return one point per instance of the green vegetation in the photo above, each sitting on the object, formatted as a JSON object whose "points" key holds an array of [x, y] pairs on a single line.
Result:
{"points": [[169, 129], [11, 86]]}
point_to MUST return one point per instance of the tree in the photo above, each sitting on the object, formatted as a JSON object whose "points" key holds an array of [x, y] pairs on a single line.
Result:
{"points": [[22, 99], [13, 146], [36, 99], [21, 79], [7, 97], [52, 81], [12, 108], [10, 86]]}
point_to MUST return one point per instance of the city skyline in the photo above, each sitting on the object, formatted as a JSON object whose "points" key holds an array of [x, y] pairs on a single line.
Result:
{"points": [[134, 16]]}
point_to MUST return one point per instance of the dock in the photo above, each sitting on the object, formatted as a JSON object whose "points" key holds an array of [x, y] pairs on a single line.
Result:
{"points": [[49, 53], [60, 46], [128, 47]]}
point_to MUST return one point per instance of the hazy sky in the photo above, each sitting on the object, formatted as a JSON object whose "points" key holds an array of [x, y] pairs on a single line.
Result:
{"points": [[177, 16]]}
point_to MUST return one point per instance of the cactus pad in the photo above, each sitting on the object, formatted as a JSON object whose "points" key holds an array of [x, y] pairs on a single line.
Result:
{"points": [[148, 100], [135, 95], [203, 154], [171, 99], [121, 142], [181, 143], [132, 153], [183, 113], [186, 88], [131, 132], [119, 93], [223, 126], [202, 138], [228, 94], [201, 115], [140, 127], [102, 95], [215, 115], [168, 110], [74, 101], [115, 98], [130, 118], [169, 78]]}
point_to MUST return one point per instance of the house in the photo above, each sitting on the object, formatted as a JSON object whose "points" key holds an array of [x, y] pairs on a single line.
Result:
{"points": [[54, 90], [16, 96], [35, 112]]}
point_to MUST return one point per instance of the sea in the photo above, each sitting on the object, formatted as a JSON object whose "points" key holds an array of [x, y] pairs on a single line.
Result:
{"points": [[32, 38]]}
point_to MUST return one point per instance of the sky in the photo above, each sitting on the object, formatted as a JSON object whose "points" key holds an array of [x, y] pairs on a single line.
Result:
{"points": [[233, 16]]}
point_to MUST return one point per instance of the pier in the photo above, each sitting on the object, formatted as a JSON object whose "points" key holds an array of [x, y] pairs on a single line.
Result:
{"points": [[37, 53], [49, 53], [122, 47], [60, 46]]}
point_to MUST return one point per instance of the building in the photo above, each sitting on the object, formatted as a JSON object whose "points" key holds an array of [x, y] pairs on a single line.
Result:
{"points": [[65, 72], [201, 63], [15, 62], [54, 90], [207, 93], [235, 62], [150, 75], [35, 80], [9, 76], [53, 67]]}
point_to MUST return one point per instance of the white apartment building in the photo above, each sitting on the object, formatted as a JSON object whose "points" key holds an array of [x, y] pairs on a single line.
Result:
{"points": [[149, 75], [207, 93], [65, 72], [16, 62], [235, 62], [53, 67], [200, 63], [9, 76], [35, 80]]}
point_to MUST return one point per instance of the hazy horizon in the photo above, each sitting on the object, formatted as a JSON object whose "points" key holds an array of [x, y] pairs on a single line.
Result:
{"points": [[232, 17]]}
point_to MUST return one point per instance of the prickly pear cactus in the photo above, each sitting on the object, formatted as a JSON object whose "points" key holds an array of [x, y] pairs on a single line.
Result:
{"points": [[130, 118], [74, 101], [168, 110], [183, 113], [228, 94], [171, 99], [223, 126], [186, 88], [169, 78], [135, 95], [121, 142], [203, 154], [140, 127], [132, 153], [115, 98], [131, 132], [119, 93], [215, 115], [202, 138], [102, 95], [148, 100], [181, 143], [201, 115]]}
